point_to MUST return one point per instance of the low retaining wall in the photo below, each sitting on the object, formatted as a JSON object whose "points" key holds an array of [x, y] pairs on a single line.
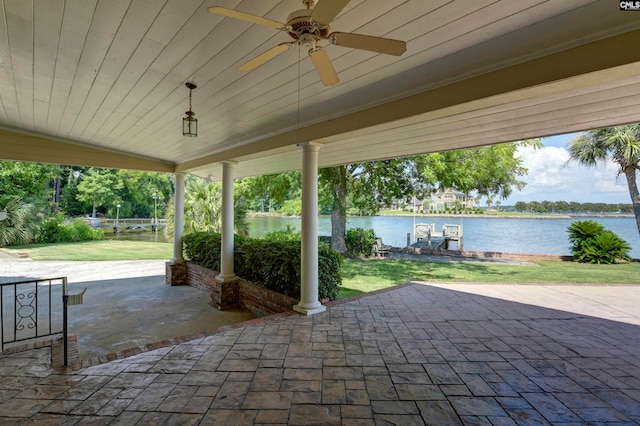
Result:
{"points": [[238, 293], [223, 295], [261, 301], [486, 254]]}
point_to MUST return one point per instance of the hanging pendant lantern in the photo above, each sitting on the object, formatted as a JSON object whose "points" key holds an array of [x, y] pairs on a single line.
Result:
{"points": [[190, 124]]}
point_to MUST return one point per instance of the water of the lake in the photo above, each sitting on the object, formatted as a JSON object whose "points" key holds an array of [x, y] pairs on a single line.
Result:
{"points": [[536, 236], [522, 235]]}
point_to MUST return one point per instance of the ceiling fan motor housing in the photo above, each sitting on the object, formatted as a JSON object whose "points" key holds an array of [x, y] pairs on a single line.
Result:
{"points": [[300, 22]]}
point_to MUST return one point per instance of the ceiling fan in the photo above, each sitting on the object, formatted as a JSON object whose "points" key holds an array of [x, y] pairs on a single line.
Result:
{"points": [[308, 27]]}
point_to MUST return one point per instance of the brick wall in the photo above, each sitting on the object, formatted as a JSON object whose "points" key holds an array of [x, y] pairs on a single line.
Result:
{"points": [[201, 278], [222, 295], [261, 301], [250, 297], [176, 273]]}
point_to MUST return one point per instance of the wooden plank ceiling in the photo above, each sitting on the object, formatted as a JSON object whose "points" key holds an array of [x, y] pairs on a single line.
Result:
{"points": [[102, 82]]}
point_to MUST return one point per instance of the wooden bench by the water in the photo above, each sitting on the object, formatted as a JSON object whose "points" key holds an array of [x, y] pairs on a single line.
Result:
{"points": [[379, 249]]}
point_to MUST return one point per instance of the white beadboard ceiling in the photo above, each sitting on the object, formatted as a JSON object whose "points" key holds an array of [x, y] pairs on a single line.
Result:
{"points": [[102, 82]]}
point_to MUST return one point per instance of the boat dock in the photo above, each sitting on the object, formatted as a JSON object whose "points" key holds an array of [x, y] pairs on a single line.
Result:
{"points": [[426, 236], [127, 225]]}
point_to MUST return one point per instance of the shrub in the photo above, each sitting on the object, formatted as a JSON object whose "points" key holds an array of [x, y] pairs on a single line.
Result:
{"points": [[607, 248], [53, 230], [203, 248], [287, 234], [592, 243], [50, 230], [581, 232], [271, 263], [274, 265], [329, 267], [325, 240], [79, 230], [359, 241]]}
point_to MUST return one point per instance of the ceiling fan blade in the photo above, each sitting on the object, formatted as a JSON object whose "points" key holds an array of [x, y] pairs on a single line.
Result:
{"points": [[323, 66], [266, 56], [326, 10], [365, 42], [247, 17]]}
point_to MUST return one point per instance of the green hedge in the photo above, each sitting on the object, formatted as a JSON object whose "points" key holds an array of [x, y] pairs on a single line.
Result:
{"points": [[203, 248], [53, 230], [359, 241], [272, 264], [329, 276]]}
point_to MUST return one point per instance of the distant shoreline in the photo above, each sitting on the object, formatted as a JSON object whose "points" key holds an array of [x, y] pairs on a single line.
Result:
{"points": [[494, 216], [481, 216], [466, 216]]}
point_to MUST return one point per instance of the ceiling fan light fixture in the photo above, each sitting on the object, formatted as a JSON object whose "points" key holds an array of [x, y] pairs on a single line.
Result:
{"points": [[189, 123]]}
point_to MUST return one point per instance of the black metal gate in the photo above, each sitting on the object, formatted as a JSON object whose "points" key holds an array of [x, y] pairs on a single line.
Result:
{"points": [[32, 309]]}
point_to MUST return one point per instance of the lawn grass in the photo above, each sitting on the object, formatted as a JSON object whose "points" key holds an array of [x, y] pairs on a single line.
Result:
{"points": [[98, 250], [366, 275]]}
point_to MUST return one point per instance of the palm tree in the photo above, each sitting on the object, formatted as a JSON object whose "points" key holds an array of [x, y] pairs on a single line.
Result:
{"points": [[618, 144], [203, 210], [19, 226]]}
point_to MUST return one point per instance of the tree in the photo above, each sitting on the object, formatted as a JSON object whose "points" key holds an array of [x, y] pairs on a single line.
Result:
{"points": [[489, 201], [258, 191], [370, 186], [137, 189], [69, 203], [620, 145], [521, 206], [203, 209], [364, 188], [18, 228], [99, 187], [27, 181], [489, 171]]}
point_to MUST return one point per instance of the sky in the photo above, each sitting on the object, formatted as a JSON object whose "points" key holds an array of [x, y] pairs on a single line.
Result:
{"points": [[550, 178]]}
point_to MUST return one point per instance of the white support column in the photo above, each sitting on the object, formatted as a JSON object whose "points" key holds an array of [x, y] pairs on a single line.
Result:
{"points": [[178, 219], [226, 251], [309, 303]]}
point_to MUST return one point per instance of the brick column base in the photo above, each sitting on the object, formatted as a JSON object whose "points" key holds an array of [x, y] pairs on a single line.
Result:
{"points": [[226, 293], [57, 353], [176, 273]]}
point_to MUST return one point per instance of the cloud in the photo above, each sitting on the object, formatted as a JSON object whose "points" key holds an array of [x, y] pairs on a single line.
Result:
{"points": [[551, 177]]}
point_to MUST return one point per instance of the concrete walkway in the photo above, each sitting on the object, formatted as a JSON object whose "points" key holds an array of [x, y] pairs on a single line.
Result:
{"points": [[417, 354], [127, 304]]}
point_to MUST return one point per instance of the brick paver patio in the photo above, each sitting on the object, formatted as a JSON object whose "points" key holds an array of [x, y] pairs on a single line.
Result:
{"points": [[417, 354]]}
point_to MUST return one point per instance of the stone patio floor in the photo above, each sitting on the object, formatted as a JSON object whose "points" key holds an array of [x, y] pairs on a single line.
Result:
{"points": [[417, 354]]}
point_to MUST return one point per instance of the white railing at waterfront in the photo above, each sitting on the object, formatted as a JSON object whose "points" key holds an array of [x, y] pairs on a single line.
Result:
{"points": [[127, 224]]}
